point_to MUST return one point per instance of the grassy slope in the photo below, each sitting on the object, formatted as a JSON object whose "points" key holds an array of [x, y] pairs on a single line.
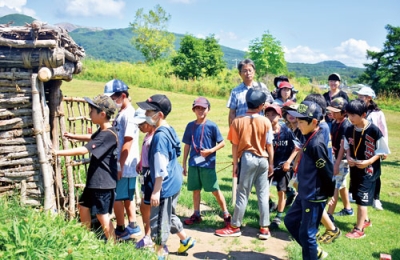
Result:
{"points": [[382, 237]]}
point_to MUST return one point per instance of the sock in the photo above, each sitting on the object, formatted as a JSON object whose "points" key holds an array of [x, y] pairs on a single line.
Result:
{"points": [[132, 224], [197, 213], [279, 214], [120, 228]]}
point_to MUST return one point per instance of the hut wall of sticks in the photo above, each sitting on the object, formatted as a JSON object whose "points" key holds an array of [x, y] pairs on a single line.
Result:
{"points": [[34, 59]]}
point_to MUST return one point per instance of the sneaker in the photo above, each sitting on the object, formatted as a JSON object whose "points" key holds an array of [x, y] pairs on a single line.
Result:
{"points": [[321, 254], [377, 204], [144, 242], [367, 224], [228, 231], [355, 234], [276, 222], [264, 233], [329, 236], [227, 220], [183, 248], [345, 212], [194, 219], [129, 232]]}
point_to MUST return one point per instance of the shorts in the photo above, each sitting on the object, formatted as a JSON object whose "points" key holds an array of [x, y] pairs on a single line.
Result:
{"points": [[125, 189], [282, 180], [363, 188], [99, 201], [200, 177], [147, 186], [340, 179]]}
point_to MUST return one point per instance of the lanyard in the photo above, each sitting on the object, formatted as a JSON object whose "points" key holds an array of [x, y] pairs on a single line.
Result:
{"points": [[304, 148], [201, 137], [355, 149]]}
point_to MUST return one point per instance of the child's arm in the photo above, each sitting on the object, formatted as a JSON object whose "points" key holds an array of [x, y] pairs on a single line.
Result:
{"points": [[155, 195], [126, 147], [83, 137], [362, 164], [207, 152], [71, 152], [339, 158], [286, 165], [186, 150], [270, 151], [235, 160]]}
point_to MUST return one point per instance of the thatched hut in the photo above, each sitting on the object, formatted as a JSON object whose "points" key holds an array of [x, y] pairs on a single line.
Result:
{"points": [[34, 59]]}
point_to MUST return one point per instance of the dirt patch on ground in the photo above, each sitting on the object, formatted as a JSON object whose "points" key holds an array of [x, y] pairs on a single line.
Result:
{"points": [[209, 246]]}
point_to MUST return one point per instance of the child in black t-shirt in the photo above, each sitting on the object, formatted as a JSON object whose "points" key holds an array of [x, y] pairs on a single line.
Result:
{"points": [[285, 152], [99, 193]]}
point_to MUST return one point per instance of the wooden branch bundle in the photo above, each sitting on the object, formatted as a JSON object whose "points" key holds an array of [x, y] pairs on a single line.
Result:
{"points": [[31, 167], [23, 161], [16, 123], [15, 113], [63, 72], [17, 148], [12, 156], [34, 178], [16, 89], [13, 83], [15, 75], [31, 58]]}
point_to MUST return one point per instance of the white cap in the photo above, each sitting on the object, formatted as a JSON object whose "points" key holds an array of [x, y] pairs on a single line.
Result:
{"points": [[140, 116], [365, 91]]}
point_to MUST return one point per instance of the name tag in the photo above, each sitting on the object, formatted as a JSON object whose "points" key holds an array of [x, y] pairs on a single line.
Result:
{"points": [[199, 159]]}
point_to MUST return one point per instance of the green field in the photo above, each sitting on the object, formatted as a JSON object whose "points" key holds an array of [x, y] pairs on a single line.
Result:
{"points": [[27, 234]]}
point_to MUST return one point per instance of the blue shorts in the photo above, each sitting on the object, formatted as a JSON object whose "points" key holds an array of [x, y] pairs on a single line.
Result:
{"points": [[147, 186], [99, 201], [125, 189]]}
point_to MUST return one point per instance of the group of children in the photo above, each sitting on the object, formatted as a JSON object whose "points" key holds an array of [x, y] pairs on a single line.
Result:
{"points": [[288, 144]]}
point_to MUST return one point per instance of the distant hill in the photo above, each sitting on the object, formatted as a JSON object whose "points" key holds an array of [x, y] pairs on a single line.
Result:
{"points": [[115, 45]]}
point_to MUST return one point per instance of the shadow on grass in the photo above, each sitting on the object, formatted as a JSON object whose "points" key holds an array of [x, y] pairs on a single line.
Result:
{"points": [[234, 255]]}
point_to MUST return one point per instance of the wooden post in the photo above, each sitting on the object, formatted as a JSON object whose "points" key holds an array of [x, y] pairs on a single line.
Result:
{"points": [[37, 116]]}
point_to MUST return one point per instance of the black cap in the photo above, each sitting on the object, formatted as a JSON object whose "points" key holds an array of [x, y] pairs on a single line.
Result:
{"points": [[157, 102], [254, 98], [307, 109], [334, 76]]}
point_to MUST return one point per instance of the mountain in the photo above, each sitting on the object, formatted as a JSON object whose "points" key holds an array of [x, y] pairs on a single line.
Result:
{"points": [[115, 45]]}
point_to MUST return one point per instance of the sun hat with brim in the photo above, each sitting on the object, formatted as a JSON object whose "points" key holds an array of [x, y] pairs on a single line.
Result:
{"points": [[114, 86], [365, 91], [307, 109], [156, 102], [140, 116], [104, 103], [337, 105], [285, 84]]}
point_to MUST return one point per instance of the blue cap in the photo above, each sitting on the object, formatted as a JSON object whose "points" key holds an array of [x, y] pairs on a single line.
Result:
{"points": [[114, 86]]}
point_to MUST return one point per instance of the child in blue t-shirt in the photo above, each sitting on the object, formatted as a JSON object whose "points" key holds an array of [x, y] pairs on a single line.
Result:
{"points": [[284, 154], [202, 139]]}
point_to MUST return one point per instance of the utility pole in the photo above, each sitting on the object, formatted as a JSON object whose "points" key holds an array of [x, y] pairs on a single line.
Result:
{"points": [[236, 62]]}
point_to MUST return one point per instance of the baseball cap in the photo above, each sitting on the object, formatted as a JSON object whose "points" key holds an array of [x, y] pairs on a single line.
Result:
{"points": [[114, 86], [279, 79], [104, 103], [201, 102], [140, 116], [307, 109], [254, 98], [285, 84], [337, 105], [157, 102], [334, 76], [290, 105], [365, 91], [274, 107]]}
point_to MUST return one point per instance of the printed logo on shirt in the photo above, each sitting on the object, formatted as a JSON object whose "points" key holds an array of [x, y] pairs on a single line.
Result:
{"points": [[307, 210], [320, 163], [93, 146], [369, 170]]}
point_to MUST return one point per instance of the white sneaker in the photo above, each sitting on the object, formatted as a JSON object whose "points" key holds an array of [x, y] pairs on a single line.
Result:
{"points": [[377, 204]]}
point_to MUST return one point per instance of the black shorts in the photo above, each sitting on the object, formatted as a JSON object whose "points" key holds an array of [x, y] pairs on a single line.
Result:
{"points": [[363, 188], [99, 201], [147, 186], [282, 180]]}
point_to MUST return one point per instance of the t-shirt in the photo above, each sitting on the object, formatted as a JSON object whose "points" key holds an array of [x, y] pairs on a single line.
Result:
{"points": [[327, 138], [237, 98], [283, 145], [315, 169], [166, 145], [250, 134], [377, 117], [145, 150], [363, 144], [202, 136], [337, 133], [126, 127], [102, 172]]}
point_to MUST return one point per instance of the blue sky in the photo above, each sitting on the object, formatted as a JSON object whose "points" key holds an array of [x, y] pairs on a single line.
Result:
{"points": [[310, 31]]}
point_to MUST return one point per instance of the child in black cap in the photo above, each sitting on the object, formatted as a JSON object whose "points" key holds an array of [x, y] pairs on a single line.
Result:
{"points": [[314, 174]]}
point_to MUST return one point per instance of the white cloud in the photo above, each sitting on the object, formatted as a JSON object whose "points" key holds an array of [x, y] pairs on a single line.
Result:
{"points": [[15, 6], [353, 52], [304, 54], [93, 7], [200, 36]]}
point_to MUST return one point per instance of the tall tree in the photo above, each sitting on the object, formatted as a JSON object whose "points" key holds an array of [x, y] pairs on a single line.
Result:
{"points": [[151, 36], [198, 58], [267, 55], [383, 74]]}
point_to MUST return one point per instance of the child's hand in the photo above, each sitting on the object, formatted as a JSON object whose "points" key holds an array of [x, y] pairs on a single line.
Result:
{"points": [[235, 170], [68, 135], [184, 172], [286, 166], [362, 164], [206, 152], [270, 170], [351, 162], [336, 169], [331, 201], [155, 199]]}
